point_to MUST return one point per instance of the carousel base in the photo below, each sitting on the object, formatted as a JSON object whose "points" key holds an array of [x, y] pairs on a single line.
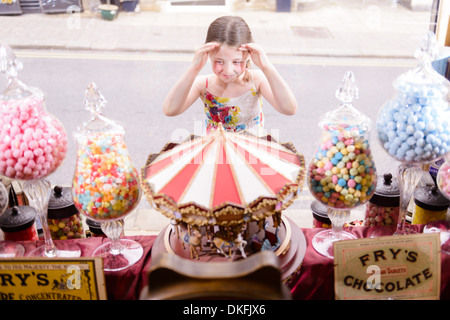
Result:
{"points": [[290, 248]]}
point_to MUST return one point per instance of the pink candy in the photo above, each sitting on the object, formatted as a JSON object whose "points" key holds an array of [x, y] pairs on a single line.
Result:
{"points": [[443, 179], [30, 147]]}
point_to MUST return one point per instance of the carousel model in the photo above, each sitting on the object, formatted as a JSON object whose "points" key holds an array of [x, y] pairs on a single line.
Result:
{"points": [[224, 193]]}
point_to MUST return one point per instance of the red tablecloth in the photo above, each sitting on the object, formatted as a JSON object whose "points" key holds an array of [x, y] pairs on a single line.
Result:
{"points": [[315, 281]]}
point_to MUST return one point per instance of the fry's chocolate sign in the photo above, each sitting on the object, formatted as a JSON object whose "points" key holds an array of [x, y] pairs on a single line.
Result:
{"points": [[51, 279], [398, 267]]}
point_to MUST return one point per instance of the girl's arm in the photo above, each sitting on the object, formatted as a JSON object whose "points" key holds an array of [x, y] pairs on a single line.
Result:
{"points": [[189, 87], [271, 85]]}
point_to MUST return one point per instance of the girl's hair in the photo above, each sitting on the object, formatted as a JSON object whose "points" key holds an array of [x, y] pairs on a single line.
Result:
{"points": [[232, 31], [229, 30]]}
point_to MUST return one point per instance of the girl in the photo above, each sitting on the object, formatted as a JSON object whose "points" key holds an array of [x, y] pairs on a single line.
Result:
{"points": [[232, 94]]}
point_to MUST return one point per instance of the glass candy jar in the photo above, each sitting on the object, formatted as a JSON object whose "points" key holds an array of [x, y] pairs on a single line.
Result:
{"points": [[342, 173], [33, 143], [18, 224], [414, 126], [383, 208], [63, 217], [105, 185]]}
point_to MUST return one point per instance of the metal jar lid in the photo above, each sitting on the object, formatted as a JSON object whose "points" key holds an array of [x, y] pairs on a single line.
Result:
{"points": [[17, 218], [320, 211], [61, 203], [430, 198], [94, 226], [387, 192]]}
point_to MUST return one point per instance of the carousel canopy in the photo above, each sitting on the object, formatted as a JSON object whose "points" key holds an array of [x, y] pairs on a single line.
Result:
{"points": [[223, 178]]}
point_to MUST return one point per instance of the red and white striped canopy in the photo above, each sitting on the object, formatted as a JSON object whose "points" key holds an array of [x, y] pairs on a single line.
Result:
{"points": [[223, 178]]}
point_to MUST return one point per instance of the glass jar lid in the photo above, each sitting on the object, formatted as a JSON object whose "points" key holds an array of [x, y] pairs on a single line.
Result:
{"points": [[346, 114], [430, 198], [15, 89], [319, 209], [17, 218], [95, 102], [387, 192], [424, 79], [60, 204]]}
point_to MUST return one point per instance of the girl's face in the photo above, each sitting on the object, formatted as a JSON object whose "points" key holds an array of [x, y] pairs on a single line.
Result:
{"points": [[228, 63]]}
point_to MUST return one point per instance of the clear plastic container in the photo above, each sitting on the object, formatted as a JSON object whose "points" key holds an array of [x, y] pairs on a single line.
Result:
{"points": [[414, 127]]}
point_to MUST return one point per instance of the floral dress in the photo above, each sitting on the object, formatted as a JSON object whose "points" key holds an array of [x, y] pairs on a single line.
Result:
{"points": [[235, 114]]}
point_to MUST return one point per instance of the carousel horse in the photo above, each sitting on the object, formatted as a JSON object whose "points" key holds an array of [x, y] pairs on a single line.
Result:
{"points": [[194, 241], [223, 245]]}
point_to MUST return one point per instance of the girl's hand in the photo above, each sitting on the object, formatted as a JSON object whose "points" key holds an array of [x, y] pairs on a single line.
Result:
{"points": [[257, 55], [201, 55]]}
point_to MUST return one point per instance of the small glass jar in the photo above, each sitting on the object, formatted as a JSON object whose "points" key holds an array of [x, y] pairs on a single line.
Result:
{"points": [[384, 207], [320, 216], [18, 224], [430, 205], [64, 219]]}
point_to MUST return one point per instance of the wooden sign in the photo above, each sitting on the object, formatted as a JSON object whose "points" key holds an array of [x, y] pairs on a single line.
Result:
{"points": [[52, 279], [396, 267]]}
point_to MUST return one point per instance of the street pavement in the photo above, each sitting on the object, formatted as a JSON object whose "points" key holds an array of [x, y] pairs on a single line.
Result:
{"points": [[348, 29]]}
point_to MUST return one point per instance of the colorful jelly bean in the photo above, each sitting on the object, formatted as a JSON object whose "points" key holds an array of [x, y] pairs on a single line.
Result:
{"points": [[32, 143], [415, 126], [342, 173], [105, 185], [66, 228]]}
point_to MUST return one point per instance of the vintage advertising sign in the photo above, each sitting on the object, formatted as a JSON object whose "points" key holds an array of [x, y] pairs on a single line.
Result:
{"points": [[396, 267], [52, 279]]}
